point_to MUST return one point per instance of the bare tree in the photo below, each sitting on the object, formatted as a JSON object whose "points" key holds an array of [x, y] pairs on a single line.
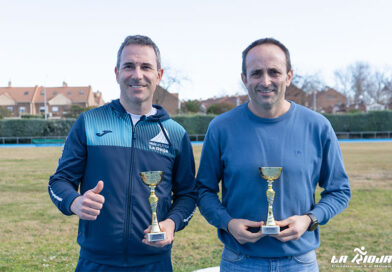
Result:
{"points": [[242, 88], [172, 79], [310, 84], [355, 82], [380, 91], [362, 83], [343, 84]]}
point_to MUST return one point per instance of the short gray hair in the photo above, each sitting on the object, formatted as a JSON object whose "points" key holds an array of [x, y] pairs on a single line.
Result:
{"points": [[139, 40]]}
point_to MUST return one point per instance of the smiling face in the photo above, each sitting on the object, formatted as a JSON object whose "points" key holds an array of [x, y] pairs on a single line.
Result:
{"points": [[138, 77], [266, 80]]}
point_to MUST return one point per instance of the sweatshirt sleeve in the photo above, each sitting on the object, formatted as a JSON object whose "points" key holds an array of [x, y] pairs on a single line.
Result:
{"points": [[64, 183], [207, 182], [333, 179], [184, 193]]}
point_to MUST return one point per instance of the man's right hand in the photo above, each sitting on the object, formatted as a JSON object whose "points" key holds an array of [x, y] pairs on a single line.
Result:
{"points": [[89, 205], [239, 229]]}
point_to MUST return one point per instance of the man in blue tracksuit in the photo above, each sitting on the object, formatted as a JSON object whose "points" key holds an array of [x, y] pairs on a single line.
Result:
{"points": [[273, 132], [104, 154]]}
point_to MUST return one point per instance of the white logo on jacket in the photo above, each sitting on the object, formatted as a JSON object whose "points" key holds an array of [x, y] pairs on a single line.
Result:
{"points": [[159, 142]]}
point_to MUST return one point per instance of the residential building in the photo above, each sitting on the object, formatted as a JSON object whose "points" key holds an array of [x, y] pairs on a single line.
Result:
{"points": [[234, 100], [18, 100], [293, 93], [328, 100], [31, 100], [169, 101]]}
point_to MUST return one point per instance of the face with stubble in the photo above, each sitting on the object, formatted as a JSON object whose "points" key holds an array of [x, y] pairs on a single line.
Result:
{"points": [[266, 77], [138, 75]]}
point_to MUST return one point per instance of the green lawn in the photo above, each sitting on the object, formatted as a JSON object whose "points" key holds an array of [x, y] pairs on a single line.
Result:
{"points": [[35, 236]]}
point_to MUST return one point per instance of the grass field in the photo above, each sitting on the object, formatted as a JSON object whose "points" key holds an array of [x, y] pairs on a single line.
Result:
{"points": [[34, 236]]}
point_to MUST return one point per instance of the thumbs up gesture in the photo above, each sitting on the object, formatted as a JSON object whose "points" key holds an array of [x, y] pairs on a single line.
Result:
{"points": [[89, 205]]}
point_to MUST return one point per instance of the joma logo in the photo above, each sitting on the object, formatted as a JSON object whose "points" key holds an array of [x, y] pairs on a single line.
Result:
{"points": [[103, 133]]}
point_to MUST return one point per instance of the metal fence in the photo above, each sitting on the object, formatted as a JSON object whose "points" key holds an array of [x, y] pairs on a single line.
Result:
{"points": [[193, 137], [197, 137], [33, 140], [365, 135], [340, 135]]}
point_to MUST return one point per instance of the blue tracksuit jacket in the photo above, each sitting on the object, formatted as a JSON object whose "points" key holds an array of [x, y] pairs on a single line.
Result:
{"points": [[104, 145]]}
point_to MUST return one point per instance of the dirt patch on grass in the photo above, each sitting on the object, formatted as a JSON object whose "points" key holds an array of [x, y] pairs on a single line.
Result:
{"points": [[380, 179]]}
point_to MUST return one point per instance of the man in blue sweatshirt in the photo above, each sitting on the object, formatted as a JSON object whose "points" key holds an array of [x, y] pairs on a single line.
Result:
{"points": [[103, 156], [270, 131]]}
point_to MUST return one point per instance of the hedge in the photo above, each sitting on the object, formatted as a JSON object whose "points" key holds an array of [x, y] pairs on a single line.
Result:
{"points": [[35, 127], [359, 122], [194, 124], [349, 122]]}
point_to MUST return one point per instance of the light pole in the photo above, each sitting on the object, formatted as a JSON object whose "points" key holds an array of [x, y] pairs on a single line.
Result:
{"points": [[46, 111]]}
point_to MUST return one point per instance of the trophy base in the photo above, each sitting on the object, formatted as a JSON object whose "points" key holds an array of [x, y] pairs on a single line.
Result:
{"points": [[270, 229], [156, 237]]}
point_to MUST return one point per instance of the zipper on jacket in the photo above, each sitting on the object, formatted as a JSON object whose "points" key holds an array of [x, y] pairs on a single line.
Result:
{"points": [[128, 219], [129, 196]]}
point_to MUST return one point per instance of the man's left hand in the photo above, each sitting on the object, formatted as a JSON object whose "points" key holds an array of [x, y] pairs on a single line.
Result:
{"points": [[167, 226], [296, 227]]}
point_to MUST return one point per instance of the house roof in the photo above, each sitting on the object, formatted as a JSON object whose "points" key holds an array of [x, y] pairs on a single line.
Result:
{"points": [[60, 100], [331, 91], [75, 94], [6, 100], [294, 91], [19, 94], [160, 90], [237, 99], [63, 95]]}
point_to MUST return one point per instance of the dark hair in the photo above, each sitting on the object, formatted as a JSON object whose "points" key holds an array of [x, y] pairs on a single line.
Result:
{"points": [[139, 40], [266, 41]]}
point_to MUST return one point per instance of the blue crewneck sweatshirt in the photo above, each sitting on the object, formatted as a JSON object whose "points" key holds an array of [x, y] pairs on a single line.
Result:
{"points": [[302, 142]]}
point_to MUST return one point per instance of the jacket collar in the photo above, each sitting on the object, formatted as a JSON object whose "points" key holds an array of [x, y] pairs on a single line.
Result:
{"points": [[161, 114]]}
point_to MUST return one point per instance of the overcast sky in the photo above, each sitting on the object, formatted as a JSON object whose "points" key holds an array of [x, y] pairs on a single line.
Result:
{"points": [[46, 42]]}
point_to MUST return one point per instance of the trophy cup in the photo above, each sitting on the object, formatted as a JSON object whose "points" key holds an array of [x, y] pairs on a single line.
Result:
{"points": [[270, 174], [152, 179]]}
